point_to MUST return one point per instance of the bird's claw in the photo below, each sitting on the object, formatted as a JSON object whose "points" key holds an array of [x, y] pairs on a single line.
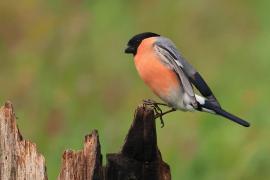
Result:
{"points": [[161, 120], [157, 109]]}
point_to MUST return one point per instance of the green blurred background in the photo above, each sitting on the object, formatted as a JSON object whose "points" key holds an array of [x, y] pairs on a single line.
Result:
{"points": [[63, 67]]}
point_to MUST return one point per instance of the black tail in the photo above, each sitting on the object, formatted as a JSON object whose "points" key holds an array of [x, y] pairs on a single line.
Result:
{"points": [[224, 113]]}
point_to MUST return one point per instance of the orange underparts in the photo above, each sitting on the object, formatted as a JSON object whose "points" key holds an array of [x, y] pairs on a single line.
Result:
{"points": [[154, 73]]}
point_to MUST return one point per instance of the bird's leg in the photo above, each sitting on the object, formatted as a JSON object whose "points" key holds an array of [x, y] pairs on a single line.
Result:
{"points": [[157, 109], [154, 105], [160, 115], [163, 113], [157, 112]]}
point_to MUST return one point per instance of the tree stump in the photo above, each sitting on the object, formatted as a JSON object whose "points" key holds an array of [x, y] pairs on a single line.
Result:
{"points": [[140, 158], [19, 158]]}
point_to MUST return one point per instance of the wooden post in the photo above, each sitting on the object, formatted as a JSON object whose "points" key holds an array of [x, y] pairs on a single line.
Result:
{"points": [[19, 158], [140, 157]]}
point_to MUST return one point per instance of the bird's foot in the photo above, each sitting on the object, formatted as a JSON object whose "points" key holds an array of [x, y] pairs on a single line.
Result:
{"points": [[157, 109], [160, 114], [163, 113]]}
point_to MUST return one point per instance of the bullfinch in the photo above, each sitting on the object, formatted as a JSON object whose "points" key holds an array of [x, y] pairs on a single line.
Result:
{"points": [[168, 74]]}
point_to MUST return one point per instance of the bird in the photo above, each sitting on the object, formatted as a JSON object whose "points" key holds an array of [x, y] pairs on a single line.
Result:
{"points": [[172, 78]]}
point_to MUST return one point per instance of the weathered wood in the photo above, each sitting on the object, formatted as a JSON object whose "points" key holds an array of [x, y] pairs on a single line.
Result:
{"points": [[140, 157], [19, 158], [85, 164]]}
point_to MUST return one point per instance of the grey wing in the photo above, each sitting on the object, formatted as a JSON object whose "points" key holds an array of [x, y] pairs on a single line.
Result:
{"points": [[194, 76], [168, 59]]}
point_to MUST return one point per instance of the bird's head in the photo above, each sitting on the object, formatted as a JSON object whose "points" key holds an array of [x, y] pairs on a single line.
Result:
{"points": [[136, 40]]}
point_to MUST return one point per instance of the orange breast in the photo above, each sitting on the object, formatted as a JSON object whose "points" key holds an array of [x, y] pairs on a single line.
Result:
{"points": [[156, 75]]}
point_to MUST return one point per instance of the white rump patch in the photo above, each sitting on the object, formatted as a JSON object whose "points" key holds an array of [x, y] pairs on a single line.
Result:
{"points": [[200, 99]]}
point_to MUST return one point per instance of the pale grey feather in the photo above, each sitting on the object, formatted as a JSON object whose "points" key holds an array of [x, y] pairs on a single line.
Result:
{"points": [[170, 57], [177, 55]]}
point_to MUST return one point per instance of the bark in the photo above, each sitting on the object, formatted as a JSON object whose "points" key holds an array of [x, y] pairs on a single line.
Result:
{"points": [[84, 164], [19, 158]]}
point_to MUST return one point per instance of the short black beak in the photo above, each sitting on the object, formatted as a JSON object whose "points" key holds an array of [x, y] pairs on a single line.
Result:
{"points": [[129, 50]]}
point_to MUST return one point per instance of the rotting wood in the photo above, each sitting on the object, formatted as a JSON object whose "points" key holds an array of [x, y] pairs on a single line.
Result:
{"points": [[84, 164], [19, 158]]}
